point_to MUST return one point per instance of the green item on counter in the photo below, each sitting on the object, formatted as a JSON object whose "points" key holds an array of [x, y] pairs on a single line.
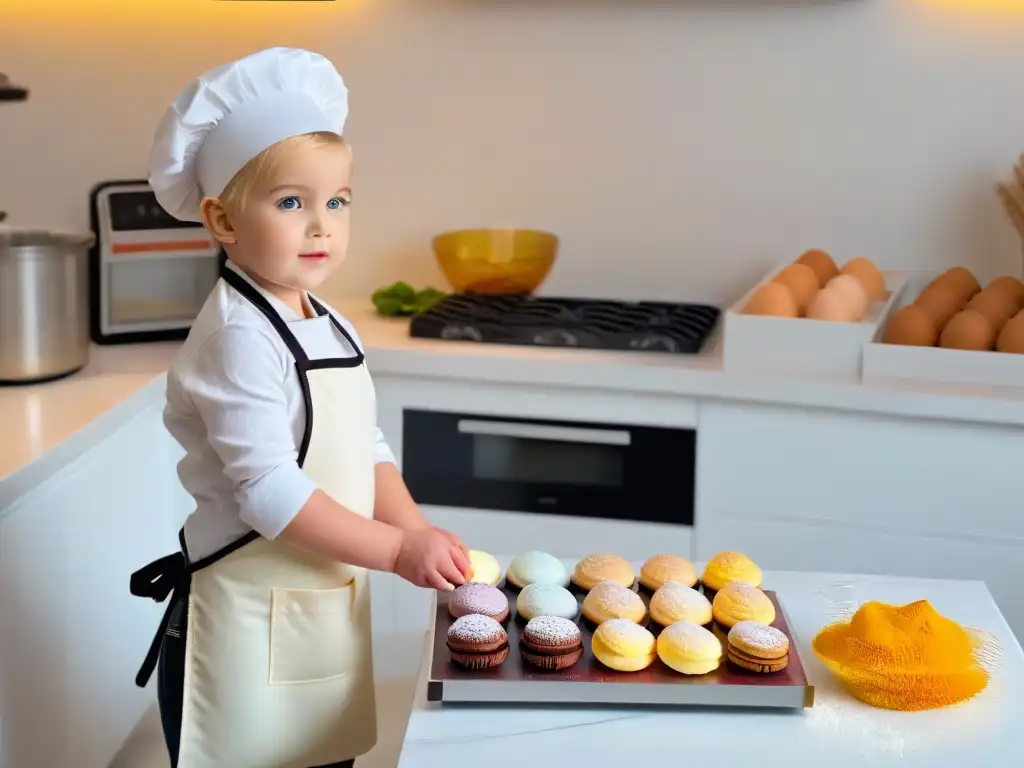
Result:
{"points": [[402, 299]]}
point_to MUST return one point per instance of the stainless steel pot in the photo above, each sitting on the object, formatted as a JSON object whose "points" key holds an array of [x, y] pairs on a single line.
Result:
{"points": [[44, 304]]}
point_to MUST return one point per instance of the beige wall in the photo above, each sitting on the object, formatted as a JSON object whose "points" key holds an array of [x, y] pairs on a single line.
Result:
{"points": [[678, 151]]}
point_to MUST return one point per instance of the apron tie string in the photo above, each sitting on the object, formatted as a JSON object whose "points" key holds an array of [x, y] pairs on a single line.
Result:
{"points": [[158, 580]]}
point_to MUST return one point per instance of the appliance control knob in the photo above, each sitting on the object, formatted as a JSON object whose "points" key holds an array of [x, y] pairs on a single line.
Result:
{"points": [[656, 342], [556, 337], [461, 333]]}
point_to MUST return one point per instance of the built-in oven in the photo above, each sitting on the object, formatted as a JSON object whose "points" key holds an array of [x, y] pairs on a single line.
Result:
{"points": [[555, 468]]}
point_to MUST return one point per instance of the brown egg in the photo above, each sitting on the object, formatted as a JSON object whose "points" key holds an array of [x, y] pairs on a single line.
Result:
{"points": [[869, 276], [1011, 338], [911, 326], [939, 301], [1010, 287], [821, 263], [831, 304], [995, 306], [968, 330], [960, 280], [853, 292], [802, 283], [772, 299]]}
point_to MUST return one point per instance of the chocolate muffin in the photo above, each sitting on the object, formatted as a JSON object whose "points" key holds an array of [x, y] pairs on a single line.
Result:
{"points": [[551, 642], [477, 642]]}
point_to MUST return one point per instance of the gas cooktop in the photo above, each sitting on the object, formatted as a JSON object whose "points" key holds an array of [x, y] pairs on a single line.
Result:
{"points": [[558, 322]]}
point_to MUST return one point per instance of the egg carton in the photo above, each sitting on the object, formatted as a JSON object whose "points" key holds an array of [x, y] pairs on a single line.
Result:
{"points": [[801, 346], [894, 363]]}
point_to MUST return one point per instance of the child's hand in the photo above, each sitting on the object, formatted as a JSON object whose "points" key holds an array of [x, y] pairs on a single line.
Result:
{"points": [[458, 542], [429, 558]]}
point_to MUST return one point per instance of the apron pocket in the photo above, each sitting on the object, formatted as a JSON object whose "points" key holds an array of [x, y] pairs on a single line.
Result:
{"points": [[310, 634]]}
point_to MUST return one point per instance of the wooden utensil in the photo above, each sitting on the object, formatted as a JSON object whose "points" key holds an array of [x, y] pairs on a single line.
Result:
{"points": [[1013, 202]]}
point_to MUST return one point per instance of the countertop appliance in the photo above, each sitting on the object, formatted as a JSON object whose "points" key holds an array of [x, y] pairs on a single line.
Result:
{"points": [[563, 322], [149, 273], [44, 311]]}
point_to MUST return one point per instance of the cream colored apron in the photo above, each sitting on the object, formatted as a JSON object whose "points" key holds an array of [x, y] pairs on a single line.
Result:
{"points": [[278, 663]]}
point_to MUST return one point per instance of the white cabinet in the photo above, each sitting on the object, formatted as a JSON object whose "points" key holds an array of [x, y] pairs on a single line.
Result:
{"points": [[71, 634], [805, 489]]}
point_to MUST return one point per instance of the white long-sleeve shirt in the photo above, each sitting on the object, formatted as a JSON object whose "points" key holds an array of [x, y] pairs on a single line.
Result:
{"points": [[235, 405]]}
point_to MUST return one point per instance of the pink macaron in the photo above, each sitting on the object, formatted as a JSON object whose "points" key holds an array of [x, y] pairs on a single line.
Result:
{"points": [[479, 598]]}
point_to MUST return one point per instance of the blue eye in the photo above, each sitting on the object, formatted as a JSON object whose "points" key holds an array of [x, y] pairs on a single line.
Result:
{"points": [[289, 204], [335, 203]]}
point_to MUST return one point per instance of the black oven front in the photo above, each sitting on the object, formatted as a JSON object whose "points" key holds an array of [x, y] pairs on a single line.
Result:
{"points": [[584, 469]]}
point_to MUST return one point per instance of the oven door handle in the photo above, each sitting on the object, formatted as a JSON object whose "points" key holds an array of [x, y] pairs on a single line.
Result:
{"points": [[544, 432]]}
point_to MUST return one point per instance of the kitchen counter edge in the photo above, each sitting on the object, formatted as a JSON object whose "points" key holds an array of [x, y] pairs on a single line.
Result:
{"points": [[123, 381]]}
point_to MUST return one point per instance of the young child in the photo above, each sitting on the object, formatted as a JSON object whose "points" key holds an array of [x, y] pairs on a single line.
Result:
{"points": [[264, 651]]}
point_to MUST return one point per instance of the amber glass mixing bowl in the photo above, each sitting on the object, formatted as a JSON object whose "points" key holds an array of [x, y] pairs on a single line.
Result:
{"points": [[496, 261]]}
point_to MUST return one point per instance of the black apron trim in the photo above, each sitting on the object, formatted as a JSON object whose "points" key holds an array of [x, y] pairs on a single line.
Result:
{"points": [[337, 362], [243, 286], [171, 576]]}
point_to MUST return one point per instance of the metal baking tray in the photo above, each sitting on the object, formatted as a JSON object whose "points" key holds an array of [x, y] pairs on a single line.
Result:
{"points": [[588, 682]]}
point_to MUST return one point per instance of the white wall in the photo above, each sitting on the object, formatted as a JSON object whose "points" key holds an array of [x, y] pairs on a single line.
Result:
{"points": [[677, 151]]}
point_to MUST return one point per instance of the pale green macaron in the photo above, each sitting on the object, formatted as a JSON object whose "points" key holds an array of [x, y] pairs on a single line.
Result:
{"points": [[535, 567], [546, 600]]}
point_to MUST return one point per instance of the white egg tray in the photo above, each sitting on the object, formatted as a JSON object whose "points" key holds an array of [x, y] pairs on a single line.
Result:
{"points": [[889, 363], [800, 346]]}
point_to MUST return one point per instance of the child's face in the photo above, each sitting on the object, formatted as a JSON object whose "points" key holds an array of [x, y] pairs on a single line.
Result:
{"points": [[293, 230]]}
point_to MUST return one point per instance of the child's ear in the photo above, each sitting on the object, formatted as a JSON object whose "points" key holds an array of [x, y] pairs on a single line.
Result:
{"points": [[216, 220]]}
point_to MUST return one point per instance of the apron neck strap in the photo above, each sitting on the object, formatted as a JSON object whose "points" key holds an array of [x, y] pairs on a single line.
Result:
{"points": [[243, 286], [322, 310]]}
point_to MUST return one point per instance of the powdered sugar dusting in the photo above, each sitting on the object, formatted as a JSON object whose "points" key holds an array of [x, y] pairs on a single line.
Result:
{"points": [[615, 597], [624, 629], [546, 599], [743, 593], [475, 628], [478, 598], [661, 566], [686, 634], [599, 562], [678, 599], [854, 728], [551, 630], [760, 636], [535, 566]]}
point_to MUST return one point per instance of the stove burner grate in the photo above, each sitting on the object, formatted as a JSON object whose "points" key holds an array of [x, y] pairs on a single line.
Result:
{"points": [[560, 322]]}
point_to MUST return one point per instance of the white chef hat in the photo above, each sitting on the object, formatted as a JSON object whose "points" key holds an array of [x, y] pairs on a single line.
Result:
{"points": [[230, 114]]}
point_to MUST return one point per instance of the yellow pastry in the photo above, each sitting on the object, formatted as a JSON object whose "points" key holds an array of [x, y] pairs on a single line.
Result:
{"points": [[678, 602], [483, 568], [736, 602], [661, 568], [689, 648], [621, 645], [730, 566], [608, 600], [596, 568]]}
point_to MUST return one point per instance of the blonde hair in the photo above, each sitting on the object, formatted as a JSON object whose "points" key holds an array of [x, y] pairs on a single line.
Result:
{"points": [[258, 169]]}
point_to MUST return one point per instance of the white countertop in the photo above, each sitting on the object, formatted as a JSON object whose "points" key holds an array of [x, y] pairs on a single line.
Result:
{"points": [[836, 731], [37, 419], [41, 418], [390, 350]]}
